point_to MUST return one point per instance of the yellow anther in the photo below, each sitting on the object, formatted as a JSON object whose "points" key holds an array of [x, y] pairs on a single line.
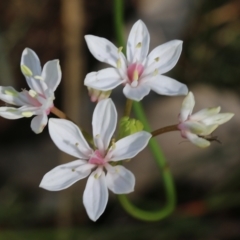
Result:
{"points": [[73, 170], [119, 63], [26, 71], [11, 93], [96, 176], [39, 78], [139, 45], [27, 114], [76, 144], [155, 73], [113, 144], [32, 93], [157, 59], [120, 49], [135, 75]]}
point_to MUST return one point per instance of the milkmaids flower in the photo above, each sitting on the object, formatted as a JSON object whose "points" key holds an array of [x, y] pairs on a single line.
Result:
{"points": [[39, 99], [138, 72], [198, 126], [100, 160]]}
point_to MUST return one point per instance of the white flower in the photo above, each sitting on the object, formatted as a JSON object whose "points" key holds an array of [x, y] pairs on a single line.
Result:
{"points": [[138, 73], [39, 99], [198, 126], [100, 159]]}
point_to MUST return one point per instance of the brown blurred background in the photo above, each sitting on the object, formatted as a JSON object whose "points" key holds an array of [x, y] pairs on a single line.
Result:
{"points": [[207, 181]]}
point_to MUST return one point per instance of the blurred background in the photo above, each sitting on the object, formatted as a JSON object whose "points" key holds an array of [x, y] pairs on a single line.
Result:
{"points": [[207, 181]]}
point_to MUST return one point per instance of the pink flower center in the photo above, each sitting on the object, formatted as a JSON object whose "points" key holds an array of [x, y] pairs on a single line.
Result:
{"points": [[97, 158], [134, 71]]}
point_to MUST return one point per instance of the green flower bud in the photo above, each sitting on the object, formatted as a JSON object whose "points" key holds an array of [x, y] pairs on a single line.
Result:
{"points": [[128, 126]]}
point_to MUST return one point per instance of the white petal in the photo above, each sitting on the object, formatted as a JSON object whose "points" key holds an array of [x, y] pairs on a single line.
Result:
{"points": [[52, 74], [167, 86], [218, 118], [138, 43], [10, 113], [205, 113], [164, 57], [103, 50], [129, 146], [136, 93], [68, 138], [95, 196], [187, 107], [31, 60], [194, 127], [38, 123], [120, 180], [200, 142], [11, 96], [65, 175], [104, 122], [106, 79]]}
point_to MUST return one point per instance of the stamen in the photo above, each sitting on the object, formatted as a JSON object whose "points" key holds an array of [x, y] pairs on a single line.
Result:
{"points": [[135, 75], [39, 78], [155, 73], [32, 93], [27, 114], [76, 144], [157, 59], [26, 71], [11, 93], [139, 45], [119, 63], [120, 49]]}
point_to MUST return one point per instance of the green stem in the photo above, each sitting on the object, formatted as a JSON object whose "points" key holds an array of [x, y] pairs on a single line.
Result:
{"points": [[156, 151]]}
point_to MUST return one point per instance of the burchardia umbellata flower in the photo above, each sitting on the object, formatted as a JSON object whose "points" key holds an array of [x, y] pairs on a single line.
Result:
{"points": [[100, 162], [39, 99], [138, 71]]}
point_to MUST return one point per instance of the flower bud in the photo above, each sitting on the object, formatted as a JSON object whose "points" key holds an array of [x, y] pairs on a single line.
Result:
{"points": [[98, 95]]}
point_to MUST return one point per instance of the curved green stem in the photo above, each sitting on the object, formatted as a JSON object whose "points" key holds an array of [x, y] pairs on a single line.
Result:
{"points": [[156, 151]]}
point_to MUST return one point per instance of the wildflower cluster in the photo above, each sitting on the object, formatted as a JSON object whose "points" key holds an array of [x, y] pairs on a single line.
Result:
{"points": [[101, 158]]}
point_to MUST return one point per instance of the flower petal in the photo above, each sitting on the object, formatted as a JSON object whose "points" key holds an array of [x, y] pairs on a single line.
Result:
{"points": [[199, 141], [11, 96], [38, 123], [164, 57], [205, 113], [138, 43], [31, 60], [120, 180], [167, 86], [95, 195], [187, 107], [65, 175], [218, 118], [104, 123], [193, 127], [10, 113], [104, 51], [52, 74], [68, 138], [103, 80], [136, 93], [129, 146]]}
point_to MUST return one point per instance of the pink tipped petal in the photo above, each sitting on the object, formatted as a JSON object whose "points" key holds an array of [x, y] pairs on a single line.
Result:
{"points": [[103, 50], [31, 60], [138, 43], [120, 180], [65, 175], [68, 138], [167, 86], [200, 142], [38, 123], [136, 93], [104, 122], [187, 107], [95, 195], [104, 80], [164, 57], [129, 146], [10, 113], [52, 74]]}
